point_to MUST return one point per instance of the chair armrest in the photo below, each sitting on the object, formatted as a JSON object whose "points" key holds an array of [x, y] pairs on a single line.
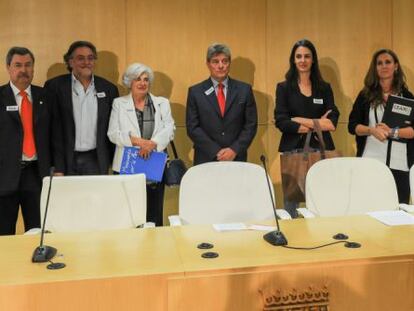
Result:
{"points": [[406, 207], [175, 220], [33, 231], [305, 212], [282, 214], [149, 225]]}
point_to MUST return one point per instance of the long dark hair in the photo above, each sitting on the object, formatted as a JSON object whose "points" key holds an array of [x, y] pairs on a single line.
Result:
{"points": [[372, 89], [315, 76]]}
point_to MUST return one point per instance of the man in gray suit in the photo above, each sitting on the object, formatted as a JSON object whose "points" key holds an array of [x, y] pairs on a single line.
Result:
{"points": [[83, 102], [221, 114]]}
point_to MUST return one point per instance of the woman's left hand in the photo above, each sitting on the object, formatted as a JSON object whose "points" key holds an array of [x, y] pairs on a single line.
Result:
{"points": [[384, 127], [146, 147]]}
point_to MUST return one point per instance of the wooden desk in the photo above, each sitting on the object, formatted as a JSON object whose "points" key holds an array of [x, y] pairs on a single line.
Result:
{"points": [[377, 276], [162, 269], [112, 270]]}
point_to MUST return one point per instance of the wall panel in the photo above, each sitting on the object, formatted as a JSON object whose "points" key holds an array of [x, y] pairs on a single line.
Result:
{"points": [[172, 38], [47, 27], [403, 34]]}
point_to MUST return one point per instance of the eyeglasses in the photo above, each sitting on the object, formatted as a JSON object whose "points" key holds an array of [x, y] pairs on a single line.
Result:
{"points": [[81, 58]]}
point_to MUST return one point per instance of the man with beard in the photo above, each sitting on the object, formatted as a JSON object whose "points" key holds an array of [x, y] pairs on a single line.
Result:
{"points": [[83, 102], [25, 158]]}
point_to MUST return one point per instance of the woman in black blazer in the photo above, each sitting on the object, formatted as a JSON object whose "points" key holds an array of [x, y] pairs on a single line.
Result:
{"points": [[304, 96], [392, 146]]}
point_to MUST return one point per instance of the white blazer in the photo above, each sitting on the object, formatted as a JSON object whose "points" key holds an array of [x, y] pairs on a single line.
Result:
{"points": [[123, 123]]}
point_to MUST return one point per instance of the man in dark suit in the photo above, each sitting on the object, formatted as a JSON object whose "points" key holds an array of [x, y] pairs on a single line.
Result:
{"points": [[221, 115], [83, 102], [25, 157]]}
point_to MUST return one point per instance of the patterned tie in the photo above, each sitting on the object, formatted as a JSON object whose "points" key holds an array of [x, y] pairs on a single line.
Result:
{"points": [[221, 98], [26, 115]]}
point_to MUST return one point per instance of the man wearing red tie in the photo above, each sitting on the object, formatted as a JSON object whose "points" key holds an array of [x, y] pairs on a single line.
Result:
{"points": [[221, 115], [25, 158]]}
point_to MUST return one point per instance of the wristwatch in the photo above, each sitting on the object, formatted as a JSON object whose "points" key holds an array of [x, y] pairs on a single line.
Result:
{"points": [[394, 132]]}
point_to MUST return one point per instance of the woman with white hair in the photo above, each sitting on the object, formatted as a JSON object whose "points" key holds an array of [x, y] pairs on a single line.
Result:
{"points": [[143, 120]]}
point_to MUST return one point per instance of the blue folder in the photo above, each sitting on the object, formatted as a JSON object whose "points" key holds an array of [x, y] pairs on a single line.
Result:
{"points": [[153, 167]]}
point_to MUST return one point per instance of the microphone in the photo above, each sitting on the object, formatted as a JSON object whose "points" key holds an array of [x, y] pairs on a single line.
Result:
{"points": [[276, 237], [44, 253]]}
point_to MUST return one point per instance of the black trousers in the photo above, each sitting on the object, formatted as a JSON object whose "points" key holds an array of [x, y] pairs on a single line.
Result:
{"points": [[402, 180], [27, 196], [155, 203], [85, 163]]}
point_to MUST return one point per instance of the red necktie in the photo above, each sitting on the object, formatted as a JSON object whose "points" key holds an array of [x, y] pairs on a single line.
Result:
{"points": [[26, 115], [221, 98]]}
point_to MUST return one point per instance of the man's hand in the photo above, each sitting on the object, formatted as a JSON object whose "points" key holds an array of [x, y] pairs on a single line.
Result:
{"points": [[226, 154]]}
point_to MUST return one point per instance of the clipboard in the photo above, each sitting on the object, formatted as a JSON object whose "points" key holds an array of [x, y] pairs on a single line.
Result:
{"points": [[153, 167], [398, 112]]}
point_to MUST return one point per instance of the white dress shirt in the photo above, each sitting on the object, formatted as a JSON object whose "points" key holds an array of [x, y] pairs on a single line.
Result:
{"points": [[85, 114]]}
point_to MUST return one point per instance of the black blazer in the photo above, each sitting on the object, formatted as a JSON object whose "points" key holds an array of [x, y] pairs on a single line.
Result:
{"points": [[291, 103], [360, 115], [60, 90], [11, 136], [211, 132]]}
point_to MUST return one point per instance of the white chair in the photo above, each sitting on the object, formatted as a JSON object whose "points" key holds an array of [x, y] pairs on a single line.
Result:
{"points": [[88, 203], [406, 207], [349, 186], [412, 183], [223, 192]]}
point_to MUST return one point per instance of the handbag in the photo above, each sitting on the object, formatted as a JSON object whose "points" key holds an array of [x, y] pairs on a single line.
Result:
{"points": [[295, 165], [175, 169]]}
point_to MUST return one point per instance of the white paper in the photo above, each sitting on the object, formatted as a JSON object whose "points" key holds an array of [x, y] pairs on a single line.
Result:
{"points": [[262, 228], [393, 218], [235, 226]]}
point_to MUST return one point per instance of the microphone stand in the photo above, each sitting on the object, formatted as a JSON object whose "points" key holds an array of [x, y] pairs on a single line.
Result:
{"points": [[276, 237], [44, 253]]}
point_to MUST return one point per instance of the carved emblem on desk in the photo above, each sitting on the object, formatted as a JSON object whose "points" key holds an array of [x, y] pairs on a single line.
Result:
{"points": [[310, 299]]}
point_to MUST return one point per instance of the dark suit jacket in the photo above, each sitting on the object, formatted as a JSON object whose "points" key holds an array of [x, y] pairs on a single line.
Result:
{"points": [[291, 103], [211, 132], [360, 115], [60, 90], [11, 136]]}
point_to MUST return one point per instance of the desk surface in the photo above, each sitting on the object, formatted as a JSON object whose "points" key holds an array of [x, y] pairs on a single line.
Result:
{"points": [[169, 250], [161, 268], [247, 248], [90, 255]]}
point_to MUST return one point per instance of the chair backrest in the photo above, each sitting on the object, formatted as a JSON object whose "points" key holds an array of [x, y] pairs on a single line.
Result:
{"points": [[222, 192], [412, 183], [349, 186], [88, 203]]}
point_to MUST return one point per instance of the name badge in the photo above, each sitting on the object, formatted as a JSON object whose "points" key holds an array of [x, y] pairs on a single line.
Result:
{"points": [[318, 101], [12, 108], [209, 91], [101, 95]]}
